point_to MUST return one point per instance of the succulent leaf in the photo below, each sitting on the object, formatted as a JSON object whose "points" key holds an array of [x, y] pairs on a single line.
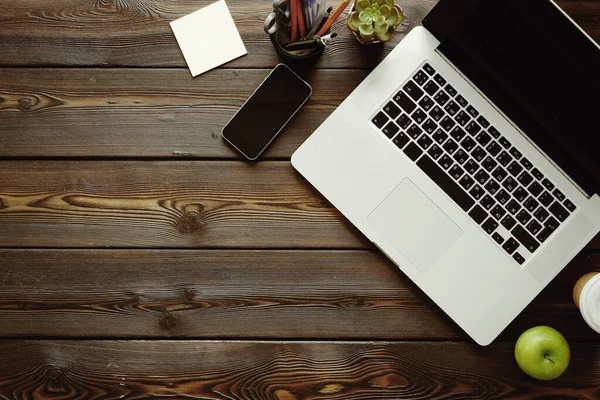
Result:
{"points": [[375, 19]]}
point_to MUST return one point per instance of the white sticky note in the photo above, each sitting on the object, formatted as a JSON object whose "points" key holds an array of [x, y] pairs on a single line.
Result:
{"points": [[208, 38]]}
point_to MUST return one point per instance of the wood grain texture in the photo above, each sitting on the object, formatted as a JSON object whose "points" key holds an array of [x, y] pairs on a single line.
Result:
{"points": [[145, 112], [282, 371], [157, 204], [243, 294], [137, 32]]}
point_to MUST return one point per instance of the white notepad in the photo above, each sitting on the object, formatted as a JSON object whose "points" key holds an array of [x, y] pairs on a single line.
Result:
{"points": [[208, 38]]}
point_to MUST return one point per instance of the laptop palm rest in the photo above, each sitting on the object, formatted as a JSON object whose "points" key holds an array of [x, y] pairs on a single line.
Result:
{"points": [[409, 220]]}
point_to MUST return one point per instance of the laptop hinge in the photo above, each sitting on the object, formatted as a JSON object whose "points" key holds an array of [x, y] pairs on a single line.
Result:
{"points": [[543, 153]]}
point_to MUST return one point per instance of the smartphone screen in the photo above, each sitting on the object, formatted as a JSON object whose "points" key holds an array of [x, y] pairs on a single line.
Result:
{"points": [[267, 111]]}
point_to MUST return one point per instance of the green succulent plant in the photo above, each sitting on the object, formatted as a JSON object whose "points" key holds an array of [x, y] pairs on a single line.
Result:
{"points": [[374, 20]]}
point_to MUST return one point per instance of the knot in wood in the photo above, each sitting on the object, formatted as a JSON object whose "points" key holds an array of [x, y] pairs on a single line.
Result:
{"points": [[26, 103], [2, 203], [189, 294], [55, 381], [168, 322], [191, 220]]}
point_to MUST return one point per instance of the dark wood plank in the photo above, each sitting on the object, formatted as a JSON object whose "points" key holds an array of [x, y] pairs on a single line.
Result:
{"points": [[187, 204], [282, 371], [137, 33], [145, 112], [242, 294]]}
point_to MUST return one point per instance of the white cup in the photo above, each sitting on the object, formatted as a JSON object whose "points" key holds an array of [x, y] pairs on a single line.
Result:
{"points": [[586, 295]]}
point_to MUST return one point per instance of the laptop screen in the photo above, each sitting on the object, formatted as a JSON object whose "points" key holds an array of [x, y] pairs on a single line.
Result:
{"points": [[537, 66]]}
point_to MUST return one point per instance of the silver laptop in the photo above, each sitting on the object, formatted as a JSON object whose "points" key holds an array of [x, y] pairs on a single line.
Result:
{"points": [[469, 155]]}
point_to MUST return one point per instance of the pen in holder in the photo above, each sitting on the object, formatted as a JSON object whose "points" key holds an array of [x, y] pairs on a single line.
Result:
{"points": [[279, 27]]}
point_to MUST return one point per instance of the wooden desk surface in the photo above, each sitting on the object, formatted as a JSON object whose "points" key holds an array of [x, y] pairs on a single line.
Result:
{"points": [[141, 257]]}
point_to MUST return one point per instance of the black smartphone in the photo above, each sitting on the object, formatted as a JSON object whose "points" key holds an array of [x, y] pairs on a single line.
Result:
{"points": [[267, 111]]}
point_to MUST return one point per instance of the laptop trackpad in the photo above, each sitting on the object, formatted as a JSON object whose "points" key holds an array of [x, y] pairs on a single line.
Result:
{"points": [[414, 225]]}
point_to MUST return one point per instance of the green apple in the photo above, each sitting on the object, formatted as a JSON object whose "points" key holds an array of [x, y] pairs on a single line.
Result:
{"points": [[542, 353]]}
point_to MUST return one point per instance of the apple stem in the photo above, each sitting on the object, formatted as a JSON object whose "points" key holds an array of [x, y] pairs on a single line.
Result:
{"points": [[548, 358]]}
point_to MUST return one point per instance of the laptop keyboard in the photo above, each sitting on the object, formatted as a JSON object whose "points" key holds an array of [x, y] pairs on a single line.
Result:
{"points": [[470, 160]]}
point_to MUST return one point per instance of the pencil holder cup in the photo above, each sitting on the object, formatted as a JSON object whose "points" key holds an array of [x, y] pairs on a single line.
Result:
{"points": [[277, 26]]}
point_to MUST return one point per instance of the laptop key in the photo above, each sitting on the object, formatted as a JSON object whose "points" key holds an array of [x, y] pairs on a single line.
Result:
{"points": [[413, 90], [515, 153], [541, 214], [456, 171], [508, 222], [413, 151], [531, 204], [570, 206], [499, 174], [468, 143], [487, 202], [552, 223], [445, 161], [523, 217], [479, 154], [510, 245], [525, 179], [489, 163], [466, 182], [559, 211], [436, 113], [471, 110], [450, 146], [518, 258], [457, 133], [405, 102], [438, 78], [460, 156], [476, 192], [420, 77], [414, 131], [492, 187], [441, 98], [401, 140], [419, 116], [440, 136], [404, 121], [509, 184], [462, 118], [549, 227], [538, 175], [483, 122], [559, 195], [498, 238], [380, 119], [493, 148], [391, 109], [435, 151], [494, 132], [483, 138], [481, 177], [450, 90], [447, 123], [425, 141], [452, 108], [390, 129], [426, 103], [514, 168], [520, 194], [513, 207], [461, 100], [471, 166], [451, 188], [546, 199], [534, 227], [473, 128], [502, 196], [429, 69], [504, 158], [489, 226], [547, 184], [525, 238], [535, 189], [429, 126], [526, 163], [431, 87], [478, 214], [498, 212], [504, 142]]}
